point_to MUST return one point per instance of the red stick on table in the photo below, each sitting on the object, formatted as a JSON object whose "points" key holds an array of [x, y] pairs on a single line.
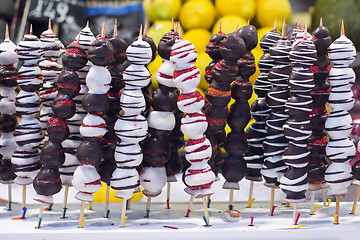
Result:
{"points": [[251, 221]]}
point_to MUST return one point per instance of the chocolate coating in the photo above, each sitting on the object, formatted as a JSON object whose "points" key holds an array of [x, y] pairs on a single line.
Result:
{"points": [[212, 48], [119, 46], [68, 83], [232, 47], [52, 155], [106, 169], [164, 99], [90, 151], [47, 182], [63, 106], [150, 41], [355, 170], [97, 104], [101, 52], [233, 169], [57, 129], [165, 44], [7, 123], [74, 56], [8, 76], [6, 170], [155, 151], [249, 35]]}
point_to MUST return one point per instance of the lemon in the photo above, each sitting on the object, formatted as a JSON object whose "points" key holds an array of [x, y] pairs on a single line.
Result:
{"points": [[153, 67], [268, 10], [197, 14], [228, 23], [202, 62], [257, 52], [161, 9], [100, 196], [199, 37], [243, 8]]}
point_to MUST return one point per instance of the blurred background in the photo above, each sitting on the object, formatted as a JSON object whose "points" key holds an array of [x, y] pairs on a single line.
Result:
{"points": [[199, 18]]}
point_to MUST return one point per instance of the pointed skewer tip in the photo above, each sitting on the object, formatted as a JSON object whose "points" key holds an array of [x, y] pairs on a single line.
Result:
{"points": [[176, 27], [87, 24], [31, 30], [321, 23], [275, 24], [283, 31], [115, 28], [220, 25], [103, 30], [305, 32], [297, 21], [78, 40], [248, 22], [180, 32], [172, 24], [145, 28], [140, 32], [6, 31], [342, 28], [49, 24]]}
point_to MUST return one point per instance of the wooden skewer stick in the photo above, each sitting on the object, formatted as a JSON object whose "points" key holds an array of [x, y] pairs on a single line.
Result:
{"points": [[231, 199], [23, 204], [66, 194], [206, 211], [312, 202], [40, 214], [190, 205], [272, 196], [107, 200], [323, 191], [337, 209], [148, 207], [251, 190], [168, 195], [9, 196], [123, 212], [81, 214], [23, 197], [294, 213], [356, 200]]}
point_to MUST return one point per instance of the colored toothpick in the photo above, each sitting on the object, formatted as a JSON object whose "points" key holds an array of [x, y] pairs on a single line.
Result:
{"points": [[9, 197], [251, 221], [66, 194], [148, 207], [82, 218], [316, 208], [168, 195], [123, 213], [107, 197], [40, 215], [190, 205], [356, 199], [206, 217]]}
